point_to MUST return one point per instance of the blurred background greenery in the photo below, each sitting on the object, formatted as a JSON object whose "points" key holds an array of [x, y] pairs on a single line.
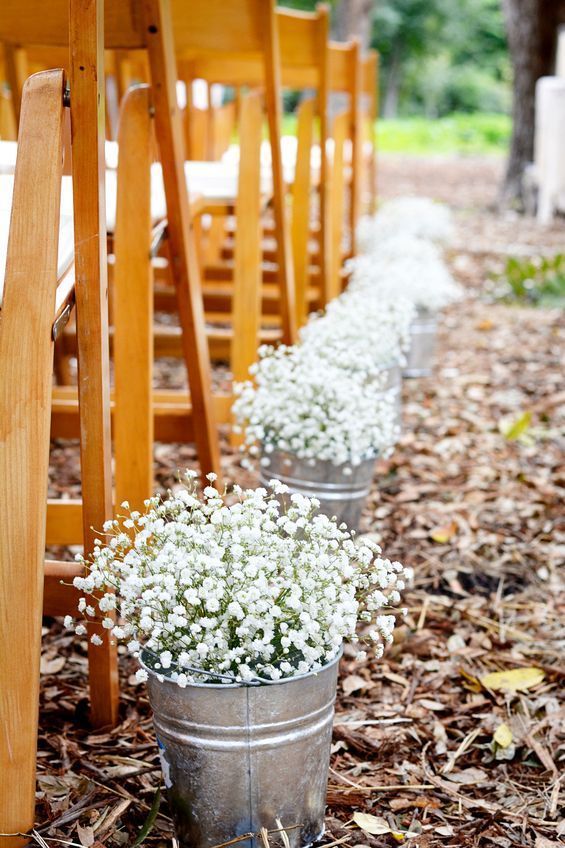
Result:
{"points": [[445, 78]]}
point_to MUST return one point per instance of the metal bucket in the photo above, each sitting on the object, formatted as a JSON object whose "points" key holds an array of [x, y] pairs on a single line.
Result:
{"points": [[341, 489], [422, 345], [237, 758]]}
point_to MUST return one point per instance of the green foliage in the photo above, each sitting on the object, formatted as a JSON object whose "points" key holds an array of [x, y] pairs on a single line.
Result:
{"points": [[538, 282], [473, 135], [438, 56], [303, 5], [476, 134]]}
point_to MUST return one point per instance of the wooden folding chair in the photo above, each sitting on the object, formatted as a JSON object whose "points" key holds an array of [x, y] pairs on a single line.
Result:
{"points": [[216, 40], [148, 26], [21, 23], [39, 288], [302, 40]]}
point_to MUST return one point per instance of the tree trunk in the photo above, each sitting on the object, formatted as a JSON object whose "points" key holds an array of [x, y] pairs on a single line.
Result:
{"points": [[392, 85], [532, 34], [353, 17]]}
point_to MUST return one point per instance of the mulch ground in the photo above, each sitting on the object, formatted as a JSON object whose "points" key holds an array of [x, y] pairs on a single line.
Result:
{"points": [[480, 519]]}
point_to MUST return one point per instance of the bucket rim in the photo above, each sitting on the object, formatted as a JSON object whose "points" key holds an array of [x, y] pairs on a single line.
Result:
{"points": [[240, 685], [314, 461]]}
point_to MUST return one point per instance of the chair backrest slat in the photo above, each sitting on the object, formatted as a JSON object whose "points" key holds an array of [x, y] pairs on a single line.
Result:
{"points": [[26, 366]]}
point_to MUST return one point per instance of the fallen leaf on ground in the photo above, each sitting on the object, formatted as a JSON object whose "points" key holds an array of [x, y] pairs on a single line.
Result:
{"points": [[503, 736], [52, 665], [353, 683], [512, 430], [377, 826], [432, 705], [444, 533], [86, 835], [485, 324], [444, 830], [513, 680], [468, 776]]}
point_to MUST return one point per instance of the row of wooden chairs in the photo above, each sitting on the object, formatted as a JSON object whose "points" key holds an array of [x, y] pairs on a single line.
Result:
{"points": [[207, 252]]}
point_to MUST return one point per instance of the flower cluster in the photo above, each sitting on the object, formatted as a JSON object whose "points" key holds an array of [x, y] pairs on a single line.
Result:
{"points": [[409, 266], [402, 256], [361, 331], [239, 590], [336, 395], [411, 216], [316, 408]]}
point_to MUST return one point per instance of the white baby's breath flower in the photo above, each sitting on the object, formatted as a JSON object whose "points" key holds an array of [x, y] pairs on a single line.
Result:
{"points": [[307, 403], [265, 592], [414, 216]]}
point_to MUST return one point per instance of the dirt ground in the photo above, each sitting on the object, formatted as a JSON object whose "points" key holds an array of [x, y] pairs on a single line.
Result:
{"points": [[480, 519]]}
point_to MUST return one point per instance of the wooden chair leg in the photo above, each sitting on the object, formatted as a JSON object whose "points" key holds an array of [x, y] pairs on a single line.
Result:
{"points": [[340, 130], [88, 163], [356, 146], [272, 98], [247, 268], [26, 365], [215, 238], [184, 264], [133, 305], [301, 207]]}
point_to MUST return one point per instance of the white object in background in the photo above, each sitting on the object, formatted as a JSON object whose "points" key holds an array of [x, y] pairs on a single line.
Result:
{"points": [[560, 59], [549, 146], [199, 94], [66, 230], [9, 150]]}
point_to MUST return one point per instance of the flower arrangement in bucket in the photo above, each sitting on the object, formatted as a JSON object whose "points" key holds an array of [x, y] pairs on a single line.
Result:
{"points": [[414, 268], [317, 425], [238, 612]]}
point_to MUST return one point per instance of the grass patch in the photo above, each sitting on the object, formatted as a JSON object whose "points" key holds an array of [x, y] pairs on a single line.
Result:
{"points": [[467, 134], [470, 134]]}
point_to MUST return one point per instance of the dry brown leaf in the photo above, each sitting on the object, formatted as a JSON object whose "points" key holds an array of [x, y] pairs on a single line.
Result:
{"points": [[86, 835], [374, 825], [468, 776], [52, 665], [435, 706], [353, 683]]}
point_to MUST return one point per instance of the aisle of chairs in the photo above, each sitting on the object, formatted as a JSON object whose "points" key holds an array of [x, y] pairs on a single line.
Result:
{"points": [[155, 226]]}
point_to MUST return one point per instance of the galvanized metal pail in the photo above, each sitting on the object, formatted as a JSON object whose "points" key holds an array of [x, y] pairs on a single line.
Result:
{"points": [[422, 345], [341, 489], [237, 758]]}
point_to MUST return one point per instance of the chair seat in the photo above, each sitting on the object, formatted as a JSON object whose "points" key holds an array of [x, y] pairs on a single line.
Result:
{"points": [[210, 183], [9, 149], [66, 233]]}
